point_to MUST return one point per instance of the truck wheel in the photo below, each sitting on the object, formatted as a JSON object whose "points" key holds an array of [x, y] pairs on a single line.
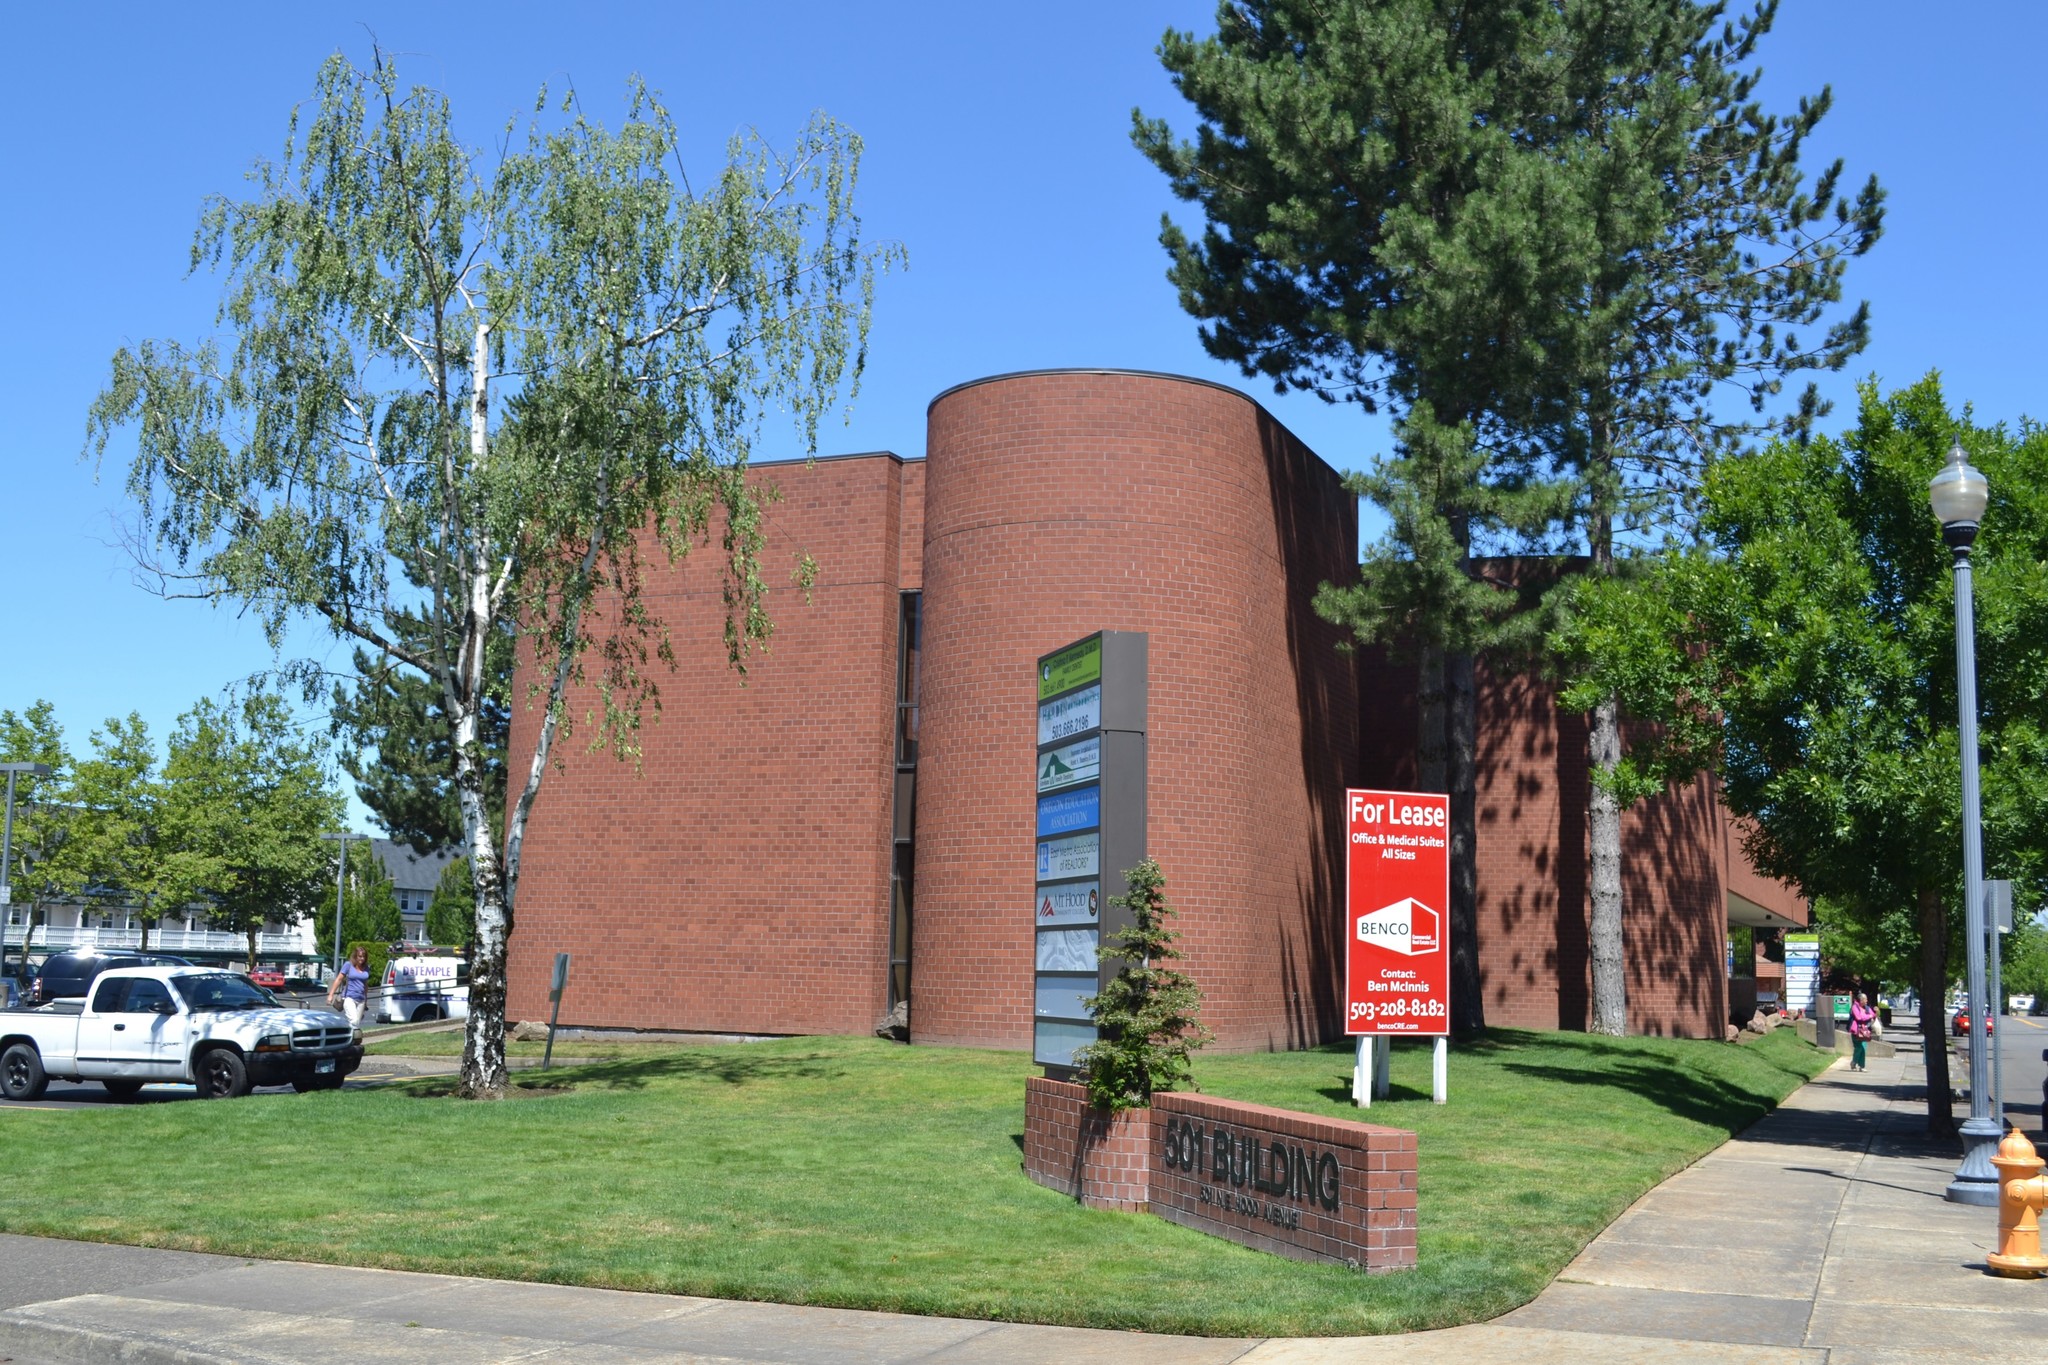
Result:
{"points": [[425, 1014], [123, 1090], [21, 1073], [220, 1075]]}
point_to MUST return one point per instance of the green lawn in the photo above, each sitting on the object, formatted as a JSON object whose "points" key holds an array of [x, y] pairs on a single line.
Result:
{"points": [[448, 1043], [859, 1173]]}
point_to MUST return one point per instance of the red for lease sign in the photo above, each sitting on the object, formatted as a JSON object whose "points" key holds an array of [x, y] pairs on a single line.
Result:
{"points": [[1397, 893]]}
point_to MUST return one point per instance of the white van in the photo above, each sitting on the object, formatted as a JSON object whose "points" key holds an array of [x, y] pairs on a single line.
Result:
{"points": [[421, 986]]}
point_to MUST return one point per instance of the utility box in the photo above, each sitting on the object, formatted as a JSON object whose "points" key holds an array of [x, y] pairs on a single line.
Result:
{"points": [[1824, 1022]]}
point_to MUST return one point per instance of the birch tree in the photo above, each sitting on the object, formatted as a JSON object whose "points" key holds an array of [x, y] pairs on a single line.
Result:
{"points": [[460, 394]]}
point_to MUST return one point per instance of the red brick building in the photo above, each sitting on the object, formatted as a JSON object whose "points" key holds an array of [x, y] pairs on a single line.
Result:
{"points": [[854, 826]]}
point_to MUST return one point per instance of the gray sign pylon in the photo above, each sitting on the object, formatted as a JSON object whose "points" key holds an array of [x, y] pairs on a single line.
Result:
{"points": [[1120, 779]]}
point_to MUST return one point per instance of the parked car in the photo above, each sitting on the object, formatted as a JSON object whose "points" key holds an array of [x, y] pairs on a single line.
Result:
{"points": [[69, 975], [210, 1028], [1962, 1024], [419, 987], [269, 978]]}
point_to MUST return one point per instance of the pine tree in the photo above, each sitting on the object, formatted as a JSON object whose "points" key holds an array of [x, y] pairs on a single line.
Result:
{"points": [[1389, 218], [1148, 1017], [1712, 251]]}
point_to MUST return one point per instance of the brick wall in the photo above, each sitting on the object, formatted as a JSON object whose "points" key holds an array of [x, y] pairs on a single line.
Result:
{"points": [[1103, 1160], [1061, 504], [1309, 1188], [1534, 956], [739, 880]]}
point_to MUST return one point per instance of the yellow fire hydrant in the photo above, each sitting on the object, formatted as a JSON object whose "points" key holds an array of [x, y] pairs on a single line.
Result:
{"points": [[2022, 1194]]}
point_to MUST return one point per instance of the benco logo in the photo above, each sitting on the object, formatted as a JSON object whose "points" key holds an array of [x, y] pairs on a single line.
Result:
{"points": [[1407, 927]]}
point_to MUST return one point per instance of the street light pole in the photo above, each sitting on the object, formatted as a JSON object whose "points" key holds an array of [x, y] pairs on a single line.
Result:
{"points": [[1959, 495], [13, 771], [340, 880]]}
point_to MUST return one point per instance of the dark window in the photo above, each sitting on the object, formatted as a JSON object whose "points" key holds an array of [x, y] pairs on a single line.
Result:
{"points": [[146, 997], [902, 891], [107, 999], [908, 650], [221, 991]]}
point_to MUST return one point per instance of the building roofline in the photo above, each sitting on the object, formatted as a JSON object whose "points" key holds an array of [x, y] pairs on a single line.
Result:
{"points": [[1112, 370], [846, 455], [1098, 369]]}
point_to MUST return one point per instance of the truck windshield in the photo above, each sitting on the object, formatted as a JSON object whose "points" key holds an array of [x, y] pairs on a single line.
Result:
{"points": [[220, 991]]}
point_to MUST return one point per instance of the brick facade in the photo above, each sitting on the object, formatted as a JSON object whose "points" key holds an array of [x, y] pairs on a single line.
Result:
{"points": [[1534, 953], [1308, 1188], [739, 880], [1060, 504]]}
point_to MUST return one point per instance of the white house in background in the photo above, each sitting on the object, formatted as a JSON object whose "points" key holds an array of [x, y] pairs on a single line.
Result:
{"points": [[79, 924], [91, 924]]}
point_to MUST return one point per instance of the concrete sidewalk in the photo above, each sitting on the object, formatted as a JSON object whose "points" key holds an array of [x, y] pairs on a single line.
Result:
{"points": [[1820, 1235]]}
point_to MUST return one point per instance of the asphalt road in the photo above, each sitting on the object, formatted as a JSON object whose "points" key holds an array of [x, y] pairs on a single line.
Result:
{"points": [[93, 1095], [2022, 1067]]}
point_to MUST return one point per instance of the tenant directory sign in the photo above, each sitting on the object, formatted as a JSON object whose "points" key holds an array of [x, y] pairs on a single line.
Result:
{"points": [[1089, 826]]}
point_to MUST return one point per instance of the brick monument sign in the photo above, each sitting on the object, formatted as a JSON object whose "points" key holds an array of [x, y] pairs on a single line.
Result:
{"points": [[1309, 1188]]}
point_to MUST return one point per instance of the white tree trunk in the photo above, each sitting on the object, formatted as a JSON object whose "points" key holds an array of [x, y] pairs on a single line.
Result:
{"points": [[1603, 829], [484, 1074]]}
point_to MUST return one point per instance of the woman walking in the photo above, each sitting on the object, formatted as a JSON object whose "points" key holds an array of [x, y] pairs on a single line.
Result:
{"points": [[352, 984], [1861, 1017]]}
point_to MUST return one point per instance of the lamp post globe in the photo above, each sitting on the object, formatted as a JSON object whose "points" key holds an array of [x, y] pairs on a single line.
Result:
{"points": [[1959, 494]]}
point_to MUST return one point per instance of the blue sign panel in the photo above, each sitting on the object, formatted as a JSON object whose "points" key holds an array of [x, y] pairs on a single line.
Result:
{"points": [[1064, 812]]}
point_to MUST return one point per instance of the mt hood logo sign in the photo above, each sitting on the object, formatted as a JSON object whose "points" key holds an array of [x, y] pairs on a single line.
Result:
{"points": [[1407, 927]]}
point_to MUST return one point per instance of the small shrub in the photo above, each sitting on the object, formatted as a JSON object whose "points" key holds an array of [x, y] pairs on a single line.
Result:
{"points": [[1148, 1016]]}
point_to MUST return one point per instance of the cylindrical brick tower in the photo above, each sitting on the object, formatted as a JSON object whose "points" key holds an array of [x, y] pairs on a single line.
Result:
{"points": [[1061, 503]]}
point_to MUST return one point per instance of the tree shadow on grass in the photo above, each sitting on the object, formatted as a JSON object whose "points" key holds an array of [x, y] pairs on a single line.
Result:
{"points": [[1341, 1094], [637, 1073], [1676, 1089]]}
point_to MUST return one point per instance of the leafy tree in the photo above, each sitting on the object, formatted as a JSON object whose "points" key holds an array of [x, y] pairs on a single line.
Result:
{"points": [[369, 908], [42, 871], [2023, 970], [1883, 946], [246, 799], [1809, 644], [505, 378], [1148, 1017], [402, 746], [117, 825], [451, 915]]}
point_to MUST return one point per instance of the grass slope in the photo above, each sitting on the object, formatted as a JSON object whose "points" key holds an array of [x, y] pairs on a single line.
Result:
{"points": [[857, 1173]]}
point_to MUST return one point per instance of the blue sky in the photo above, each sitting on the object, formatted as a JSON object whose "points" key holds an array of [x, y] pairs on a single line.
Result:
{"points": [[997, 153]]}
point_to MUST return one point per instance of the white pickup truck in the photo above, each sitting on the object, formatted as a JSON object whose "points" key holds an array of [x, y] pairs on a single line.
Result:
{"points": [[209, 1028]]}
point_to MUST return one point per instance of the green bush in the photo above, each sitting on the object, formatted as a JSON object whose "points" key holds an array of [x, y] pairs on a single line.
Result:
{"points": [[1148, 1017]]}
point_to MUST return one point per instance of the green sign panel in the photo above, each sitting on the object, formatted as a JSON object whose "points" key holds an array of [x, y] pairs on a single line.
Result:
{"points": [[1071, 667]]}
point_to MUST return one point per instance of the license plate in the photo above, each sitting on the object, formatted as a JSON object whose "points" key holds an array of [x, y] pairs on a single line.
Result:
{"points": [[325, 1064]]}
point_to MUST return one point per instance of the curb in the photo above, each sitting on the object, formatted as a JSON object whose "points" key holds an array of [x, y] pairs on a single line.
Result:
{"points": [[30, 1336]]}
